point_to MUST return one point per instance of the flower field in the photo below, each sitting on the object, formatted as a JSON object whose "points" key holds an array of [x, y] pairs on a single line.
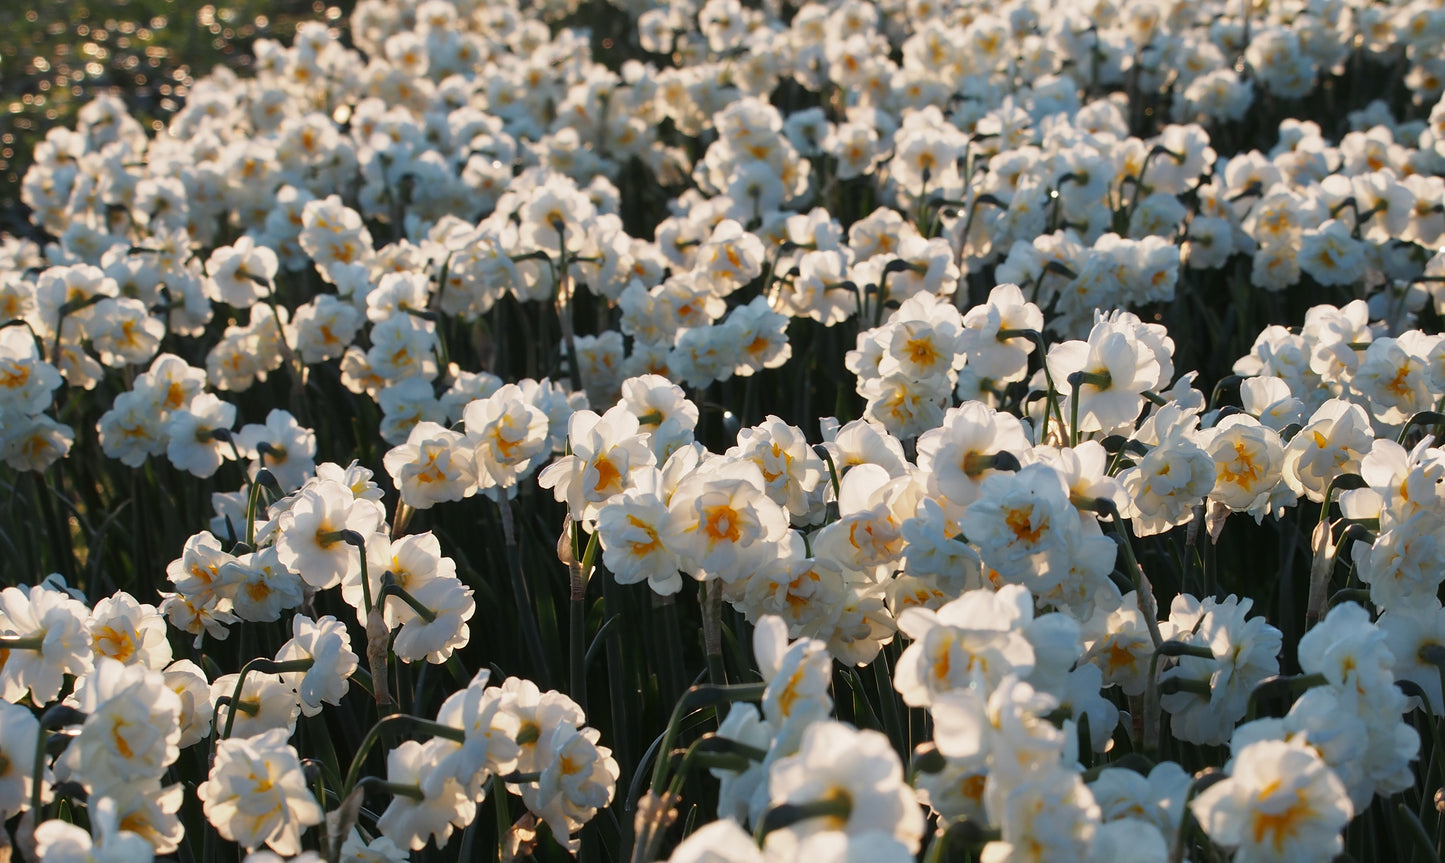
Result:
{"points": [[734, 432]]}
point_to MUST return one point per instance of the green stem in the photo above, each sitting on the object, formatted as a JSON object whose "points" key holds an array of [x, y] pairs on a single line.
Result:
{"points": [[264, 666], [436, 729], [401, 593], [264, 477], [837, 806], [28, 642], [616, 685], [694, 698], [1280, 686], [564, 309], [37, 775], [1179, 648], [827, 457], [401, 789], [712, 631], [579, 573], [504, 817], [523, 597], [1037, 338], [358, 542]]}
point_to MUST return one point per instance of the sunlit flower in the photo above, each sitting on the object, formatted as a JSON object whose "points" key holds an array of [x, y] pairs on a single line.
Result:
{"points": [[106, 842], [327, 644], [973, 641], [1280, 802], [436, 808], [1332, 443], [605, 451], [54, 624], [129, 632], [256, 794], [18, 734], [867, 788], [509, 435], [434, 466]]}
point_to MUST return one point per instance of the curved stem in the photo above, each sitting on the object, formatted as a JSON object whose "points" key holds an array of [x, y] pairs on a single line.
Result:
{"points": [[401, 593], [436, 729], [265, 666]]}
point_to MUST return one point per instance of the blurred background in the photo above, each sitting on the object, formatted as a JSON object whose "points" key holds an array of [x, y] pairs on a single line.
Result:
{"points": [[54, 57]]}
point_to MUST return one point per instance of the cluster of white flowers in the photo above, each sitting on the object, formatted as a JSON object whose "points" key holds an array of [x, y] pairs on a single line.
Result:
{"points": [[343, 213], [126, 710], [492, 149], [130, 709]]}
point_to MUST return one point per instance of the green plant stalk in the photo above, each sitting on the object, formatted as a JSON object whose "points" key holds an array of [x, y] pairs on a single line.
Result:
{"points": [[37, 776], [1415, 832], [28, 642], [616, 689], [580, 574], [263, 477], [712, 632], [356, 541], [1053, 391], [530, 631], [564, 308], [325, 836], [504, 817], [698, 696]]}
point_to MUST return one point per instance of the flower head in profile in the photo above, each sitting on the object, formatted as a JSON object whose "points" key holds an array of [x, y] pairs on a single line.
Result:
{"points": [[490, 744], [189, 683], [451, 605], [240, 274], [1115, 367], [578, 777], [992, 355], [198, 436], [1245, 652], [435, 807], [266, 703], [327, 644], [663, 410], [798, 675], [282, 446]]}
